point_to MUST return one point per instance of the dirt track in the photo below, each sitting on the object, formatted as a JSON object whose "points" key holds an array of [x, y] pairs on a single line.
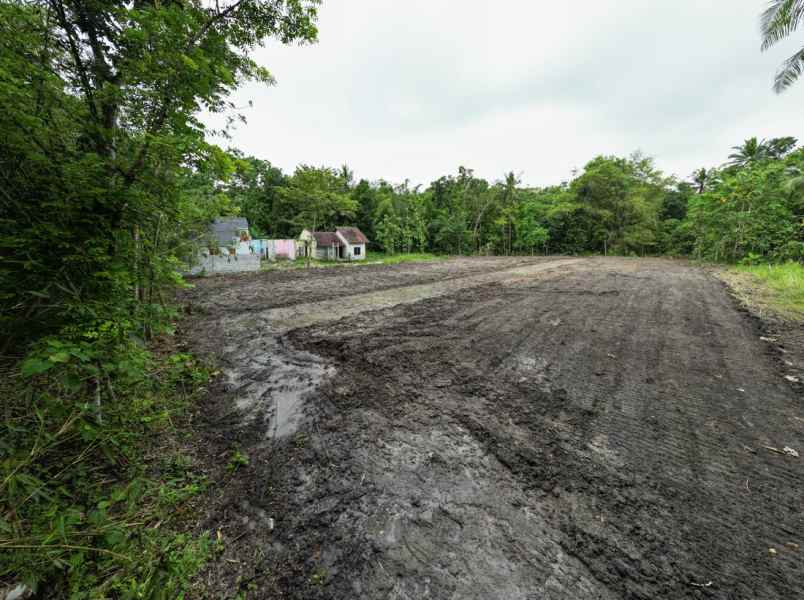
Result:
{"points": [[501, 428]]}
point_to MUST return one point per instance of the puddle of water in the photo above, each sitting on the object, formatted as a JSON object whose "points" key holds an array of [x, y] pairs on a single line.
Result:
{"points": [[288, 398], [272, 381]]}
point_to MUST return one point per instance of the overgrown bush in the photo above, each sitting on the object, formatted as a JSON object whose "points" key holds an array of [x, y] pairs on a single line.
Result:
{"points": [[92, 480]]}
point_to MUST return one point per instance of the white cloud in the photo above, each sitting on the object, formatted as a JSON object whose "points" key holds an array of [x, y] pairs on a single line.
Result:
{"points": [[414, 89]]}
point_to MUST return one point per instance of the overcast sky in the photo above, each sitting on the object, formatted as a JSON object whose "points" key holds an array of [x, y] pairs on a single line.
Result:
{"points": [[411, 90]]}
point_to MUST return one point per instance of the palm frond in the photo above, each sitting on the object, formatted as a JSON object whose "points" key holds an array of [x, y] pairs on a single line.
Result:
{"points": [[779, 20], [789, 71]]}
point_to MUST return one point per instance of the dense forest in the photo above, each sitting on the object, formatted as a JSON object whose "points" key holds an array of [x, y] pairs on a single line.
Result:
{"points": [[108, 182], [750, 209]]}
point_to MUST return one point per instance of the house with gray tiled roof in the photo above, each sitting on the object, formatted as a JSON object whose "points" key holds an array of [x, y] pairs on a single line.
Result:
{"points": [[227, 248]]}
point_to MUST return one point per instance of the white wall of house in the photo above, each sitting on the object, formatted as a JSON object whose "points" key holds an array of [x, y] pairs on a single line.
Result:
{"points": [[356, 251], [352, 251]]}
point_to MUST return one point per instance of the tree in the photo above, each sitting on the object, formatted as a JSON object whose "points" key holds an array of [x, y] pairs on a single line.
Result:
{"points": [[98, 128], [753, 211], [777, 148], [604, 187], [777, 22], [751, 150], [254, 188], [508, 207], [701, 178], [531, 230], [317, 199]]}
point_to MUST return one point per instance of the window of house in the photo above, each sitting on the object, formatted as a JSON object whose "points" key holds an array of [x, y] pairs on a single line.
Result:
{"points": [[357, 251]]}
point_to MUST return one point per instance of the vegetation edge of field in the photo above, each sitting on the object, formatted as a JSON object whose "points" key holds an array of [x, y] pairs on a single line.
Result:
{"points": [[98, 490], [776, 289]]}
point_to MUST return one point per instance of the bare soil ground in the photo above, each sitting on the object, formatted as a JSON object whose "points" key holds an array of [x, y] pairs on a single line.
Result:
{"points": [[500, 428]]}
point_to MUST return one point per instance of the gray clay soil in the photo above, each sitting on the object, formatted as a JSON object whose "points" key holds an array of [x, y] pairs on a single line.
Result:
{"points": [[500, 428]]}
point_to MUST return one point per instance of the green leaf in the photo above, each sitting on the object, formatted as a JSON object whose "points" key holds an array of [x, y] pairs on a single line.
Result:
{"points": [[35, 366], [59, 357]]}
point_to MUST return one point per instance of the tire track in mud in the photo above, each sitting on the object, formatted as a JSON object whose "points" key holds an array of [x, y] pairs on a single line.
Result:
{"points": [[466, 446], [270, 380]]}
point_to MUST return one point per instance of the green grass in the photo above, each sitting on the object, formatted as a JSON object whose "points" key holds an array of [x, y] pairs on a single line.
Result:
{"points": [[780, 287], [96, 487], [395, 259], [372, 258]]}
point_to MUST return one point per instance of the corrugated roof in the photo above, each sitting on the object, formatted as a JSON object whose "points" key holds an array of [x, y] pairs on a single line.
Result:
{"points": [[225, 229], [326, 238], [353, 235]]}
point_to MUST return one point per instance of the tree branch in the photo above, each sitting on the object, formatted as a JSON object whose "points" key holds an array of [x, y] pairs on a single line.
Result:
{"points": [[58, 7]]}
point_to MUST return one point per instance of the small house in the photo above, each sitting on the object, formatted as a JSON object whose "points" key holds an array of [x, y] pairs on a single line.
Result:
{"points": [[345, 243], [231, 235], [228, 248]]}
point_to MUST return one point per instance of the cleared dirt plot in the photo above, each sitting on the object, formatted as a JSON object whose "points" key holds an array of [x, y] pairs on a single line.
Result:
{"points": [[502, 428]]}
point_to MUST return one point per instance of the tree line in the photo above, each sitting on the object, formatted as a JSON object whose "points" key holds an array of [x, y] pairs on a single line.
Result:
{"points": [[749, 209]]}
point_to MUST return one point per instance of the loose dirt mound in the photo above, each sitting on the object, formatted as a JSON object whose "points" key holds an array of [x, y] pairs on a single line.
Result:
{"points": [[547, 429]]}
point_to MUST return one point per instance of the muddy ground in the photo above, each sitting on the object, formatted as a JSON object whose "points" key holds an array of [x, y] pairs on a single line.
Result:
{"points": [[500, 428]]}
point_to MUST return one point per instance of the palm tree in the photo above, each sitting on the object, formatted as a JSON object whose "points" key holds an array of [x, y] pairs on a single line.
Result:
{"points": [[778, 21], [701, 178], [346, 176], [750, 151], [780, 147]]}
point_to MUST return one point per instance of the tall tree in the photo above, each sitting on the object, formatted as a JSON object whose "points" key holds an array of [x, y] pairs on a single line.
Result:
{"points": [[317, 198], [98, 124], [701, 179], [751, 150]]}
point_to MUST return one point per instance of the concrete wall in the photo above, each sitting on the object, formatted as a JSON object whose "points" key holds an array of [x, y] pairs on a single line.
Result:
{"points": [[210, 264]]}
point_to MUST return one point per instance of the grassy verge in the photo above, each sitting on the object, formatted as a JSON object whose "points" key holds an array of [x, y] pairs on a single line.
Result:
{"points": [[395, 259], [97, 486], [777, 289], [372, 258]]}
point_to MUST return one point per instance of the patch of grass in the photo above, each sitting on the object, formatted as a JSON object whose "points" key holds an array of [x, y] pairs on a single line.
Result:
{"points": [[372, 258], [778, 288], [395, 259], [237, 460]]}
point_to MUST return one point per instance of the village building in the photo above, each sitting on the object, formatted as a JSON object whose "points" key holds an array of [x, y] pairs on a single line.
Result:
{"points": [[345, 243], [231, 236], [274, 249], [227, 248]]}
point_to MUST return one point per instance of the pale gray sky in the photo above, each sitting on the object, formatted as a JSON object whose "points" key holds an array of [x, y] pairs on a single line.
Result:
{"points": [[414, 89]]}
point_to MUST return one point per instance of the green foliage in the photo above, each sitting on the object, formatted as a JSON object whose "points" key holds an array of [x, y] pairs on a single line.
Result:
{"points": [[778, 21], [107, 184], [752, 206], [395, 259], [316, 198], [85, 512], [755, 210], [784, 285], [100, 144], [254, 188], [237, 460]]}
